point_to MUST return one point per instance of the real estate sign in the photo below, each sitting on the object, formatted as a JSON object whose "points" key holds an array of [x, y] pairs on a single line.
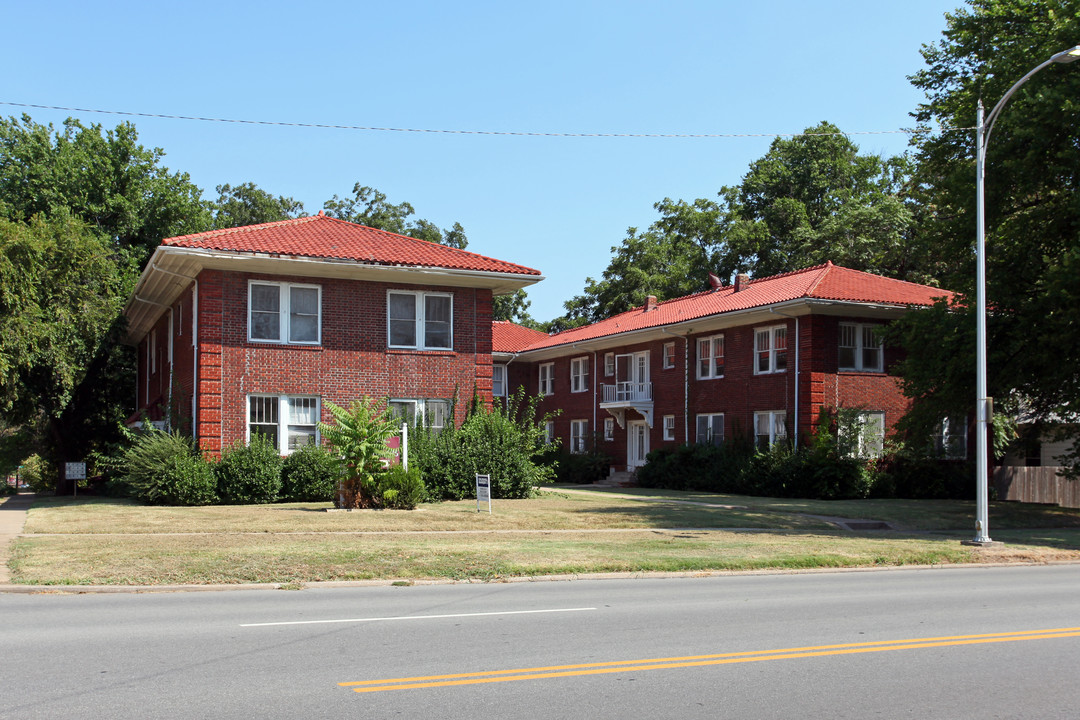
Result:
{"points": [[483, 491]]}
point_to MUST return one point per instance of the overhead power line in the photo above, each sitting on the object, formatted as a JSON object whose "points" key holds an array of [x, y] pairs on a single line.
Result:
{"points": [[372, 128]]}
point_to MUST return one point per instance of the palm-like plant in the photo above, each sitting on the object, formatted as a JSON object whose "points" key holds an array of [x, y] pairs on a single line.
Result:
{"points": [[358, 437]]}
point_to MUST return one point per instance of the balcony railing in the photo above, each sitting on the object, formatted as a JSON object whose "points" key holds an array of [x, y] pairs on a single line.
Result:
{"points": [[628, 392]]}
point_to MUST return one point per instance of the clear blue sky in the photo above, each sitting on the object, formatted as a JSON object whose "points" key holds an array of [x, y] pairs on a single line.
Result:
{"points": [[555, 204]]}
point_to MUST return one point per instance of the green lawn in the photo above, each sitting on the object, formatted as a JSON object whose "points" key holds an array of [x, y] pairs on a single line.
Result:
{"points": [[102, 541]]}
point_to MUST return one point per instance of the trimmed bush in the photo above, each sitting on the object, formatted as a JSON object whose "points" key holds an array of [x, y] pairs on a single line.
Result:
{"points": [[142, 467], [402, 490], [249, 474], [187, 480], [311, 474]]}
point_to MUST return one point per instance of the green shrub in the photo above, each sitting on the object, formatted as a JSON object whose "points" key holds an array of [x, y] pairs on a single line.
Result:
{"points": [[402, 490], [186, 480], [503, 442], [358, 437], [141, 471], [39, 474], [929, 478], [580, 468], [311, 474], [249, 474]]}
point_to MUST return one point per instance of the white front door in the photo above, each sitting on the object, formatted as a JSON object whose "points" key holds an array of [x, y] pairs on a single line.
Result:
{"points": [[637, 443]]}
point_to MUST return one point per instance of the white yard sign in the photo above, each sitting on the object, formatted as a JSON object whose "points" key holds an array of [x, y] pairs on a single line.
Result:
{"points": [[483, 491]]}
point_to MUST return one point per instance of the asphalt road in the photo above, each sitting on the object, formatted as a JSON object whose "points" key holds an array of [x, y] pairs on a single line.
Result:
{"points": [[932, 643]]}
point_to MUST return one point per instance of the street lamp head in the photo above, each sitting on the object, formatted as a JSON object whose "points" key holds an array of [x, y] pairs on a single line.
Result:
{"points": [[1067, 56]]}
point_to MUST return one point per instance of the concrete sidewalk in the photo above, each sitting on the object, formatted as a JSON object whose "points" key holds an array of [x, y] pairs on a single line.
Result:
{"points": [[12, 519]]}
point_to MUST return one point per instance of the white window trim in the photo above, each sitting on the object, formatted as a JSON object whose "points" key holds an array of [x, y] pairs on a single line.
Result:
{"points": [[609, 364], [773, 415], [420, 409], [772, 330], [421, 319], [711, 340], [669, 427], [667, 360], [547, 378], [282, 418], [864, 444], [579, 436], [498, 380], [711, 417], [284, 314], [860, 328], [549, 432], [609, 428], [579, 374], [952, 427]]}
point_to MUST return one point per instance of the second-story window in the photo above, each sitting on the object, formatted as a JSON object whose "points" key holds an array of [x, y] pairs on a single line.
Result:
{"points": [[770, 350], [284, 313], [579, 374], [669, 355], [859, 348], [547, 379], [498, 380], [420, 320], [710, 357]]}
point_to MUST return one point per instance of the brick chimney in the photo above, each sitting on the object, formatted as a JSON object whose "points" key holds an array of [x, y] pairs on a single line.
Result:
{"points": [[650, 303], [742, 281]]}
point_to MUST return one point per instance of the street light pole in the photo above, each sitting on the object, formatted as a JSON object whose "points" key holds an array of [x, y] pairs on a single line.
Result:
{"points": [[983, 404]]}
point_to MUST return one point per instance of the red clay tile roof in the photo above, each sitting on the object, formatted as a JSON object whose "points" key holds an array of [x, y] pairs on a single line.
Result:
{"points": [[320, 236], [822, 282], [510, 337]]}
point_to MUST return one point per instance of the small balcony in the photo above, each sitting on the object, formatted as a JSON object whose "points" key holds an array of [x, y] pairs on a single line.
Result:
{"points": [[621, 396]]}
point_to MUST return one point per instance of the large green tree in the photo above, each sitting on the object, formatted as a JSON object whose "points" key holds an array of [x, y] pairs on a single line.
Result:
{"points": [[103, 177], [1032, 211], [248, 204], [810, 198], [368, 206]]}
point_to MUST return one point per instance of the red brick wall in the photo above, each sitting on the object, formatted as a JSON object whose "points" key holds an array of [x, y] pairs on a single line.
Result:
{"points": [[352, 360], [738, 395]]}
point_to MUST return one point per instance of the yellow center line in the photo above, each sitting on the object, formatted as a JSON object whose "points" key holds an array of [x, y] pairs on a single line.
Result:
{"points": [[603, 668]]}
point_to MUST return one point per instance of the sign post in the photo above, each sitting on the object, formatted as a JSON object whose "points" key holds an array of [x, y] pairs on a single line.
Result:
{"points": [[75, 471], [483, 491]]}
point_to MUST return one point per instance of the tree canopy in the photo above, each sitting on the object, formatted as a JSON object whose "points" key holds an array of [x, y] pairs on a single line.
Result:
{"points": [[368, 206], [1032, 210], [247, 204]]}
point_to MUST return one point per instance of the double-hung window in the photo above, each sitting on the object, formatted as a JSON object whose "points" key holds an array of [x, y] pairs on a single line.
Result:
{"points": [[860, 349], [549, 432], [609, 428], [579, 435], [609, 364], [288, 422], [710, 429], [579, 374], [669, 355], [710, 357], [284, 313], [547, 379], [669, 427], [867, 438], [420, 320], [770, 350], [770, 428], [498, 380], [950, 440], [430, 412]]}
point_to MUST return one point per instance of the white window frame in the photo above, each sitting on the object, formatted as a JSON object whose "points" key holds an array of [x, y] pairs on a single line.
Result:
{"points": [[498, 380], [869, 429], [282, 405], [284, 313], [863, 337], [950, 440], [707, 356], [669, 427], [668, 360], [765, 348], [547, 378], [549, 432], [579, 374], [609, 364], [713, 426], [427, 409], [776, 425], [579, 436], [609, 428], [420, 320]]}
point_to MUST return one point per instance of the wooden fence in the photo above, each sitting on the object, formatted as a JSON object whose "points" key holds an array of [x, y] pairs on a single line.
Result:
{"points": [[1036, 485]]}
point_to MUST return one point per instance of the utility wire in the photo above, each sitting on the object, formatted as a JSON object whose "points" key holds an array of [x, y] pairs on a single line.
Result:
{"points": [[462, 132]]}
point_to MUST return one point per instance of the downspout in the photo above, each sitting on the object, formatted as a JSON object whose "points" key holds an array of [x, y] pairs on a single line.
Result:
{"points": [[796, 319], [595, 407], [686, 383], [195, 361], [168, 396]]}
